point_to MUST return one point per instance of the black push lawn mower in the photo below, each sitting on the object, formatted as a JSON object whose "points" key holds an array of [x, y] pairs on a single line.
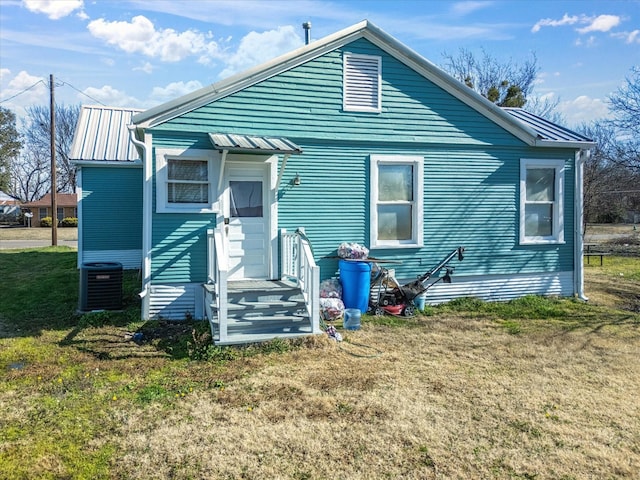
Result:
{"points": [[387, 296]]}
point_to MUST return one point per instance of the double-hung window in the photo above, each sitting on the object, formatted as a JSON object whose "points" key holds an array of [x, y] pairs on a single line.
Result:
{"points": [[185, 182], [396, 201], [541, 201]]}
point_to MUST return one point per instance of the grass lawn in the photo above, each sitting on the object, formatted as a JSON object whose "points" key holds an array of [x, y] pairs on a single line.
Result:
{"points": [[534, 388]]}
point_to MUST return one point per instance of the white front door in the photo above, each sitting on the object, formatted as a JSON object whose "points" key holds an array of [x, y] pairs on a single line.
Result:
{"points": [[247, 210]]}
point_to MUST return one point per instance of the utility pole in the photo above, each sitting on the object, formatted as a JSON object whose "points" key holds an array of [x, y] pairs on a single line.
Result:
{"points": [[54, 203]]}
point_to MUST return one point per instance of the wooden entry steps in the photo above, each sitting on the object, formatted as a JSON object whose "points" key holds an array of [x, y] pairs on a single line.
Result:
{"points": [[259, 311]]}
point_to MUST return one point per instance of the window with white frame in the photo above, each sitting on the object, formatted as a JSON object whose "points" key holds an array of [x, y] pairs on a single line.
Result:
{"points": [[541, 201], [362, 90], [396, 201], [185, 181]]}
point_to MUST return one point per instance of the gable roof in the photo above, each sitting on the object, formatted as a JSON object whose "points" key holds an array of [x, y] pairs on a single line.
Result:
{"points": [[62, 200], [521, 127], [102, 135]]}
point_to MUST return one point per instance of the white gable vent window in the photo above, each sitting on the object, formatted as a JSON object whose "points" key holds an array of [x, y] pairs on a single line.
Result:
{"points": [[541, 201], [361, 83]]}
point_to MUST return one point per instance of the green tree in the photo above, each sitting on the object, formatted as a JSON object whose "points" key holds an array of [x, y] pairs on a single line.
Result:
{"points": [[10, 145]]}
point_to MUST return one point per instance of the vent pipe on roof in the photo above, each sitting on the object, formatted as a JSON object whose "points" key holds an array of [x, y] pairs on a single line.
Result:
{"points": [[307, 32]]}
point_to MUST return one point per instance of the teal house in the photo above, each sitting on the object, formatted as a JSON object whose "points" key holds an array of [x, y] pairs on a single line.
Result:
{"points": [[232, 200]]}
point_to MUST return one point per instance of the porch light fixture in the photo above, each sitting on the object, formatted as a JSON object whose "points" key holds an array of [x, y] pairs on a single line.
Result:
{"points": [[296, 180]]}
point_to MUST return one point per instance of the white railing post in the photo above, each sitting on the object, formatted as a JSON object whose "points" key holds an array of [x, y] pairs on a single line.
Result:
{"points": [[220, 276], [297, 261]]}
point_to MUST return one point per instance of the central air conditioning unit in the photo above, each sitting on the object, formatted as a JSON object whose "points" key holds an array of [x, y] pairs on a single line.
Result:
{"points": [[100, 286]]}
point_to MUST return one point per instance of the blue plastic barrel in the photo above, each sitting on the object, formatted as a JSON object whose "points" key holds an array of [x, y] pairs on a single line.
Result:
{"points": [[355, 278]]}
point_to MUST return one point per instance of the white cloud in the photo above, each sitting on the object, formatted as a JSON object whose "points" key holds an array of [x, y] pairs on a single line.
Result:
{"points": [[628, 37], [109, 96], [146, 67], [465, 8], [549, 22], [256, 48], [54, 9], [601, 23], [583, 109], [22, 91], [141, 36], [173, 90]]}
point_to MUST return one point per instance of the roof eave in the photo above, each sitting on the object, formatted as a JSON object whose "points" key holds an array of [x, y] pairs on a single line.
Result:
{"points": [[172, 109], [107, 163], [578, 145]]}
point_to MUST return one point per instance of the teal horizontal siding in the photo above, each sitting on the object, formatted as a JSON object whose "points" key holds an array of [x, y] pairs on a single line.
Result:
{"points": [[179, 253], [471, 199], [306, 102], [111, 206]]}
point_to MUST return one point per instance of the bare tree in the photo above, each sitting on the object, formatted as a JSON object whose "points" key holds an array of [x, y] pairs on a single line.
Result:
{"points": [[610, 186], [507, 84], [31, 175], [625, 104], [37, 136]]}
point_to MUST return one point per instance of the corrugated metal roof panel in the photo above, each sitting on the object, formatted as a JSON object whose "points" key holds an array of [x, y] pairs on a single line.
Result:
{"points": [[253, 144], [545, 129], [102, 135]]}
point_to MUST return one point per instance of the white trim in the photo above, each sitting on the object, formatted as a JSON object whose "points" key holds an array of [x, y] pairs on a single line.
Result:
{"points": [[357, 94], [79, 204], [580, 158], [557, 236], [417, 221], [147, 212], [212, 158], [107, 163]]}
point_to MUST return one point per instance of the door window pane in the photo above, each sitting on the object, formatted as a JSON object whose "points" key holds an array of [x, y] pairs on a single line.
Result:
{"points": [[245, 198]]}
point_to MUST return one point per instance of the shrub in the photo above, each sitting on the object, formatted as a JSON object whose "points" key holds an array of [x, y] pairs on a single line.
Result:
{"points": [[69, 222], [45, 222]]}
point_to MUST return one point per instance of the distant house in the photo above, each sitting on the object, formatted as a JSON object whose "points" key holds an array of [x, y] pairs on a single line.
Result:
{"points": [[354, 137], [66, 204], [9, 208]]}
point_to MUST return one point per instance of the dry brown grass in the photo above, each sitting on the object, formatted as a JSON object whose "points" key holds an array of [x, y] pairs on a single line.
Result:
{"points": [[452, 398], [37, 233]]}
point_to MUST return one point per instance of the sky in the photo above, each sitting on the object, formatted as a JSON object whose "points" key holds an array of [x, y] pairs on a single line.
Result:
{"points": [[141, 53]]}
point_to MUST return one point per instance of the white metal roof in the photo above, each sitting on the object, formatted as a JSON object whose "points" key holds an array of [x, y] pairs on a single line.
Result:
{"points": [[102, 135], [253, 144]]}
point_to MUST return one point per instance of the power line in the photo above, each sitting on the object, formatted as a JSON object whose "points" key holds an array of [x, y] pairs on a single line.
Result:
{"points": [[81, 92], [23, 91]]}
